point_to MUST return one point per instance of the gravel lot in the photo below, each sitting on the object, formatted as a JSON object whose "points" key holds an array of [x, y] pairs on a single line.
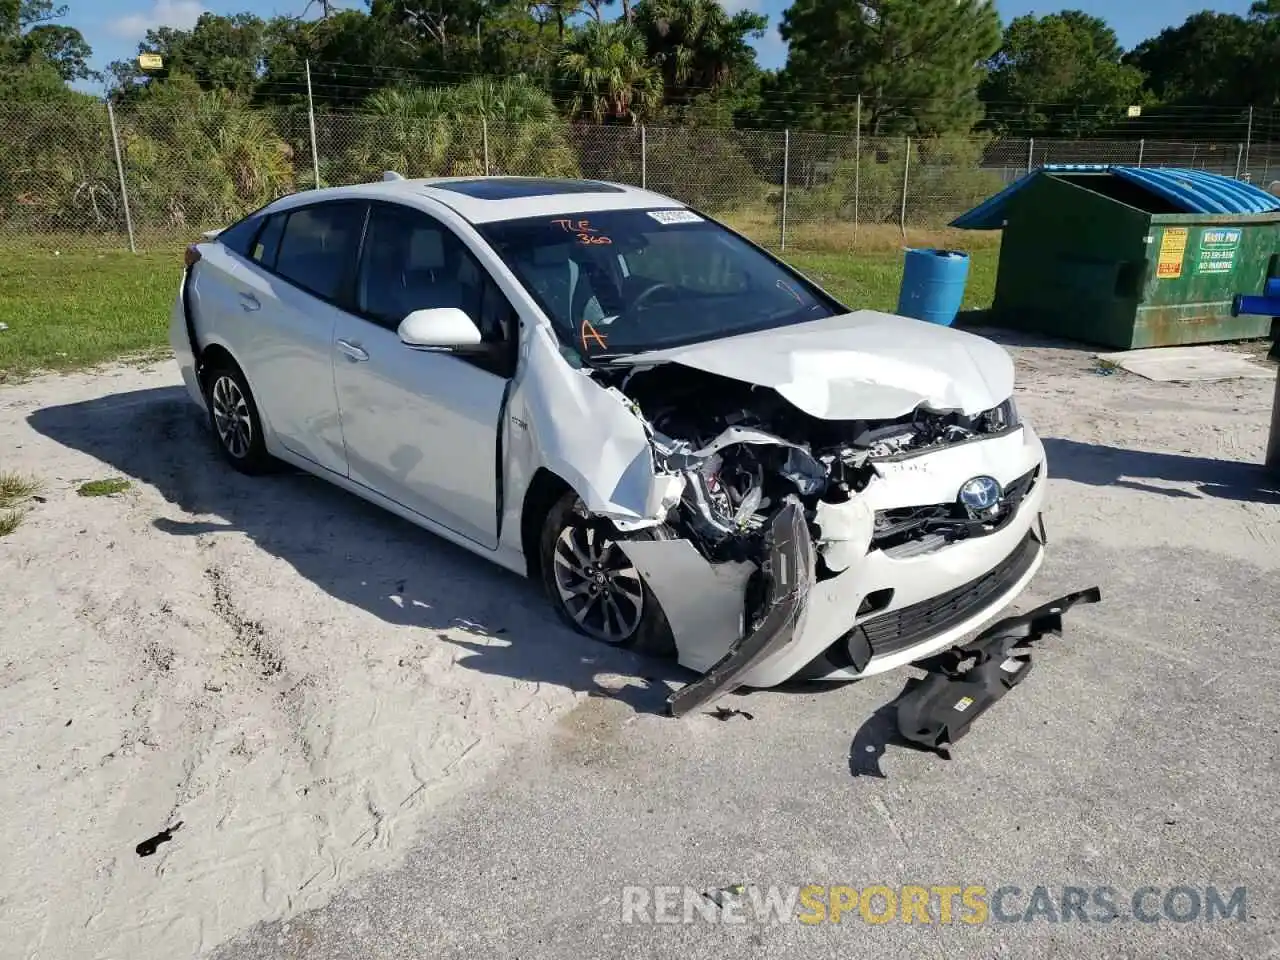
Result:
{"points": [[380, 746]]}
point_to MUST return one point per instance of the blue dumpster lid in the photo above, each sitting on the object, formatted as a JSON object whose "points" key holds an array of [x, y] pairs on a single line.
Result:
{"points": [[1192, 191]]}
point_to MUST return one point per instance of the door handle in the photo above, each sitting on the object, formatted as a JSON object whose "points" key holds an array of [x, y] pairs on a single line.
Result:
{"points": [[249, 303], [353, 351]]}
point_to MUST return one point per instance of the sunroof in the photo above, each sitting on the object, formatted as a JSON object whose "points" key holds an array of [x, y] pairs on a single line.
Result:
{"points": [[515, 188]]}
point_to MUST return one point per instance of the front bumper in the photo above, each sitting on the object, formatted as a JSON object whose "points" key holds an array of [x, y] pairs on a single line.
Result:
{"points": [[912, 605]]}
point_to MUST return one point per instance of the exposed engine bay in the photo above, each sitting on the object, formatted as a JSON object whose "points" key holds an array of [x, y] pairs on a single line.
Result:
{"points": [[743, 451]]}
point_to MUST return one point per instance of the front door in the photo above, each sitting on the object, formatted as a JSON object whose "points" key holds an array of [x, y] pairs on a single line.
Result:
{"points": [[422, 428]]}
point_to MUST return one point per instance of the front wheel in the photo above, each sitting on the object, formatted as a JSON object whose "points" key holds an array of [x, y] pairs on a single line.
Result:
{"points": [[594, 586]]}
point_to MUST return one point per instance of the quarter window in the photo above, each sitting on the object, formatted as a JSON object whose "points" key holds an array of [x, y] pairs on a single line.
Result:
{"points": [[317, 245], [267, 245]]}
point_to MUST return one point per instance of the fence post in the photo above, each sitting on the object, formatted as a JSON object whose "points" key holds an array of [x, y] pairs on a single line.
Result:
{"points": [[1248, 139], [484, 140], [1031, 154], [857, 164], [311, 121], [786, 163], [1239, 157], [906, 166], [1142, 146], [644, 159], [124, 190]]}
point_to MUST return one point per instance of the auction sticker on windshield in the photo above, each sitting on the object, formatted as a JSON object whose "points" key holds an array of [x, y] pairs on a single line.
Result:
{"points": [[675, 216]]}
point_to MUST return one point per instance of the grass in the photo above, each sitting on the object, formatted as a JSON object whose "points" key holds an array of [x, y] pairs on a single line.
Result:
{"points": [[71, 308], [74, 309], [15, 489], [103, 488]]}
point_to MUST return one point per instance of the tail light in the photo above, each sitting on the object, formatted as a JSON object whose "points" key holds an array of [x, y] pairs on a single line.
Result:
{"points": [[192, 256]]}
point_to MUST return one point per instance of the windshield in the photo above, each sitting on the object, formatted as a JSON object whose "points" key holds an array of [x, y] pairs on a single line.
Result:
{"points": [[626, 281]]}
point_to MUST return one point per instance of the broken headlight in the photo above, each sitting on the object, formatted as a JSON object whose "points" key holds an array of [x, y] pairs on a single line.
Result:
{"points": [[1001, 418]]}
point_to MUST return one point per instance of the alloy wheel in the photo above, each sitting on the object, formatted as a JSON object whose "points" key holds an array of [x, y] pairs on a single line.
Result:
{"points": [[231, 416], [598, 585]]}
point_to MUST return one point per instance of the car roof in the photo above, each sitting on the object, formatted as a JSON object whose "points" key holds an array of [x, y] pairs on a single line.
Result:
{"points": [[491, 199]]}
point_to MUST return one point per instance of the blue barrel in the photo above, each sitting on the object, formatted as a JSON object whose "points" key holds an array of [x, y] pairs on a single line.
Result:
{"points": [[933, 285]]}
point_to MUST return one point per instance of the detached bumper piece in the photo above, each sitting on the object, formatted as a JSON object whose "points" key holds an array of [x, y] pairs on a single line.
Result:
{"points": [[942, 707], [788, 572]]}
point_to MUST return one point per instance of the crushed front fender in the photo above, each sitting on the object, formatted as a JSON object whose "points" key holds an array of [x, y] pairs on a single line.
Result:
{"points": [[788, 569]]}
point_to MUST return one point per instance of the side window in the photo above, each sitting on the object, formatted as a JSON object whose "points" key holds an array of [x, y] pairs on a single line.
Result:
{"points": [[412, 262], [317, 245], [267, 246]]}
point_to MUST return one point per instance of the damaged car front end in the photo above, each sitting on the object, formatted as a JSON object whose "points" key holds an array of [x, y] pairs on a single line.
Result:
{"points": [[827, 496]]}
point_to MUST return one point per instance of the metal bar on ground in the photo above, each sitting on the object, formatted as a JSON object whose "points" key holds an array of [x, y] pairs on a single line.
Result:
{"points": [[1031, 154], [1142, 146], [124, 189]]}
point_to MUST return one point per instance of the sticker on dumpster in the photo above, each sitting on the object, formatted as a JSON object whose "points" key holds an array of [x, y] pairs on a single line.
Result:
{"points": [[1173, 245], [1218, 250]]}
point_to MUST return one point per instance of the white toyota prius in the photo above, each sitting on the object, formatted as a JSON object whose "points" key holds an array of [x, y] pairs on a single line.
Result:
{"points": [[697, 450]]}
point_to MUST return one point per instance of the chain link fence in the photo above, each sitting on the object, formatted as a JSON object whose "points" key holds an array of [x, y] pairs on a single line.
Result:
{"points": [[83, 175]]}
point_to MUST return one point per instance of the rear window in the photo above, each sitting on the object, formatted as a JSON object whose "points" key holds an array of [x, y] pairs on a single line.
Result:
{"points": [[319, 246]]}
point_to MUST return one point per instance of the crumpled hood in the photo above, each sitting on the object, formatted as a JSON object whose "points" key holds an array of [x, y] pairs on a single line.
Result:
{"points": [[863, 365]]}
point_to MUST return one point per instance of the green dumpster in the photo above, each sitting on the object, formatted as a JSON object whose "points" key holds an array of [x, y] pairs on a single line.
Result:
{"points": [[1130, 257]]}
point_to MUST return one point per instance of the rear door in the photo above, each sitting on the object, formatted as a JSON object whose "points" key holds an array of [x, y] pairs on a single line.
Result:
{"points": [[422, 428], [288, 312]]}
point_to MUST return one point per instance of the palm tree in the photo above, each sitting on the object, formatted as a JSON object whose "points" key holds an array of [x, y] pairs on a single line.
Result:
{"points": [[452, 131], [609, 66], [697, 44]]}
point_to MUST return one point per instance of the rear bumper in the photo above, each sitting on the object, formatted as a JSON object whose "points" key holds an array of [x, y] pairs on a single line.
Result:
{"points": [[180, 341]]}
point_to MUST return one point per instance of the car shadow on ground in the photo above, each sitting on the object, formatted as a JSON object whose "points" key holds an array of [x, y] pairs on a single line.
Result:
{"points": [[1104, 466], [355, 552]]}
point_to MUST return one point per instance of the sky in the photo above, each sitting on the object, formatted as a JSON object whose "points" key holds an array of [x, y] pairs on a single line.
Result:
{"points": [[114, 27]]}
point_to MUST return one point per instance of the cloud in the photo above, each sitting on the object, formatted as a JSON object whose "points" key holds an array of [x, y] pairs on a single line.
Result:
{"points": [[182, 14]]}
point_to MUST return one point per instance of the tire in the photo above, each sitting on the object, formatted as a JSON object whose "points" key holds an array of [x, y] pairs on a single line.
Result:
{"points": [[651, 634], [232, 414]]}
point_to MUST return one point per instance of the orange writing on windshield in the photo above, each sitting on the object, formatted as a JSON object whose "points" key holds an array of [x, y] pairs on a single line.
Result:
{"points": [[590, 332]]}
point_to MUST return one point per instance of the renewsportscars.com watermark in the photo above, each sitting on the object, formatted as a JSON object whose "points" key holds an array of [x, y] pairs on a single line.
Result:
{"points": [[971, 904]]}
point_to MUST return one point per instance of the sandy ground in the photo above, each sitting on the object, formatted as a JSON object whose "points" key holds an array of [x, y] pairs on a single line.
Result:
{"points": [[380, 746], [271, 662]]}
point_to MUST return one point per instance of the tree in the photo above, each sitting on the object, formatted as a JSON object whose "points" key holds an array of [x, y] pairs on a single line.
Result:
{"points": [[1209, 59], [29, 39], [1059, 74], [608, 67], [699, 47], [436, 131], [218, 53], [916, 63]]}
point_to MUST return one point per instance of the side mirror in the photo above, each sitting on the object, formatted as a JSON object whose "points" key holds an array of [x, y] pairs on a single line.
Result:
{"points": [[443, 329]]}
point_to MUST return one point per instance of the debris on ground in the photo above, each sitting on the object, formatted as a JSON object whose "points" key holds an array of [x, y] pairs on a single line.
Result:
{"points": [[727, 713], [962, 683], [149, 846]]}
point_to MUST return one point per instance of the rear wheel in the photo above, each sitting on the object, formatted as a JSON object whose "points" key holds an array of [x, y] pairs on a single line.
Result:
{"points": [[593, 585], [234, 418]]}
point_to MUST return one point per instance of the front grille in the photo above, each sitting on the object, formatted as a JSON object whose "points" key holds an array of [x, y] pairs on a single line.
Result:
{"points": [[928, 618], [901, 527]]}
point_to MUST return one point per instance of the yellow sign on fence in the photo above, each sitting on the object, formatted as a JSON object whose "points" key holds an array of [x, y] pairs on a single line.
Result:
{"points": [[1173, 246]]}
